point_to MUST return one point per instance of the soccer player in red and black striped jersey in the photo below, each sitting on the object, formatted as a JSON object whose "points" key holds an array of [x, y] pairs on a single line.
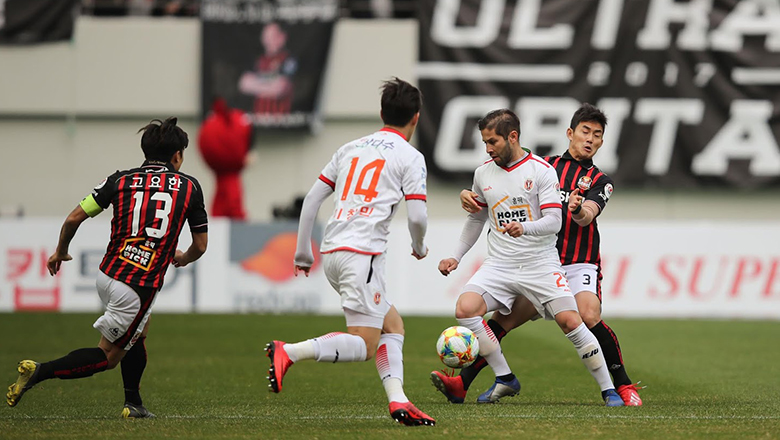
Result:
{"points": [[151, 204], [585, 191]]}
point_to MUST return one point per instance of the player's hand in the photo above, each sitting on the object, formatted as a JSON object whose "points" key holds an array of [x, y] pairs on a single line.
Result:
{"points": [[468, 201], [575, 199], [304, 269], [447, 265], [514, 229], [179, 259], [55, 261], [418, 256]]}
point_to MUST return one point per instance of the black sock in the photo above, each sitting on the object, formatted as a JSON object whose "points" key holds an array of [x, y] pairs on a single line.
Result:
{"points": [[612, 355], [470, 373], [133, 365], [83, 362]]}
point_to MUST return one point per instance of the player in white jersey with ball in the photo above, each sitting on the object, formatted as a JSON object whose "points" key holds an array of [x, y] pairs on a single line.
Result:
{"points": [[520, 196], [368, 178]]}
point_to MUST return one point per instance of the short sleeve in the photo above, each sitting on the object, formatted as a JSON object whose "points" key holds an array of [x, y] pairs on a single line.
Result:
{"points": [[331, 170], [601, 191], [549, 189], [414, 181], [477, 188], [197, 218], [101, 196]]}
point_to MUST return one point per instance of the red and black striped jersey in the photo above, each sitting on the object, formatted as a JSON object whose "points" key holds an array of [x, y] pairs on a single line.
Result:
{"points": [[151, 204], [575, 243]]}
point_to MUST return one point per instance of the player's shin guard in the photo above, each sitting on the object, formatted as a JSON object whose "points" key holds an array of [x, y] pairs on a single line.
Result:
{"points": [[339, 347], [589, 350], [133, 366], [471, 372], [489, 347], [83, 362], [390, 366]]}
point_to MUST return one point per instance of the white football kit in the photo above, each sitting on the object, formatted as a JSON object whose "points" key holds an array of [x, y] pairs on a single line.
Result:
{"points": [[369, 176], [527, 265]]}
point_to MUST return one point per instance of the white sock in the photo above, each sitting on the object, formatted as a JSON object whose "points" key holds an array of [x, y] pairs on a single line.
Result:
{"points": [[489, 347], [300, 351], [339, 347], [590, 352], [390, 366]]}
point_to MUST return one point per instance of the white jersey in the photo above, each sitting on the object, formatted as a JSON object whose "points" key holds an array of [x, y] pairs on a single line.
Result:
{"points": [[518, 193], [370, 176]]}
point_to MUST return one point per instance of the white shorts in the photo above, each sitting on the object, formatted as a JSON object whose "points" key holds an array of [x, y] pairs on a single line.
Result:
{"points": [[502, 284], [360, 281], [584, 277], [126, 312]]}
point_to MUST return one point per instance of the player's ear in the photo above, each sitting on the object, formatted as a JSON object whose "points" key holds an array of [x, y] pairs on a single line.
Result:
{"points": [[415, 119], [569, 133]]}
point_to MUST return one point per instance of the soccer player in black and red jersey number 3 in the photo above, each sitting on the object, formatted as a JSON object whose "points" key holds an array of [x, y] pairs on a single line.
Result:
{"points": [[151, 203], [585, 192]]}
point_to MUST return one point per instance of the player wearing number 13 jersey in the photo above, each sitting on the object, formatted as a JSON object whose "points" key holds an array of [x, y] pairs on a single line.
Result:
{"points": [[368, 178], [151, 203]]}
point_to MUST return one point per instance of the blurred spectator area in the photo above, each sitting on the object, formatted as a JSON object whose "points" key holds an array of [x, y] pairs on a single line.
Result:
{"points": [[190, 8]]}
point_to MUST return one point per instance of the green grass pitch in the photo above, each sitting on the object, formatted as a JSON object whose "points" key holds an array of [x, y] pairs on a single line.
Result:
{"points": [[206, 379]]}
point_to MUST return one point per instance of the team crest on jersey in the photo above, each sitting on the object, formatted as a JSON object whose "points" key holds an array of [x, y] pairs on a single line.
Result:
{"points": [[377, 298], [584, 183], [529, 184]]}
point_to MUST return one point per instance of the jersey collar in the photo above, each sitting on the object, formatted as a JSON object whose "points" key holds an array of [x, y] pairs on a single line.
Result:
{"points": [[587, 163], [393, 130], [158, 163]]}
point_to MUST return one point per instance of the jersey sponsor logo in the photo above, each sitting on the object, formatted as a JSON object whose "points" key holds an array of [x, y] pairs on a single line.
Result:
{"points": [[529, 184], [487, 189], [139, 255], [584, 183], [518, 211]]}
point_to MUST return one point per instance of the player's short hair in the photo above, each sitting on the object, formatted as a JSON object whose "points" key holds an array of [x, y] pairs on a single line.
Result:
{"points": [[400, 102], [162, 139], [502, 121], [588, 113]]}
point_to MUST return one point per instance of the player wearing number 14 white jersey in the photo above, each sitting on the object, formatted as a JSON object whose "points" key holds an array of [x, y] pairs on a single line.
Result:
{"points": [[367, 178], [370, 176]]}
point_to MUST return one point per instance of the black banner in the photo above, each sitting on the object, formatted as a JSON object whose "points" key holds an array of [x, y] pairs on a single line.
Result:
{"points": [[691, 88], [36, 21], [267, 58]]}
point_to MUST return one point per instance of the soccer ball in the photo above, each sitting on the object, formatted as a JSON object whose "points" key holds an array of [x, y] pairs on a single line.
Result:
{"points": [[457, 346]]}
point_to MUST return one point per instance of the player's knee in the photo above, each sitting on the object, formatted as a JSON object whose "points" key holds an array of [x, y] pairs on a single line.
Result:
{"points": [[568, 321], [470, 305], [590, 317]]}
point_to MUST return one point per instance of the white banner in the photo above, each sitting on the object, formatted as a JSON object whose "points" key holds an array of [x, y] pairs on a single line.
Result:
{"points": [[651, 269]]}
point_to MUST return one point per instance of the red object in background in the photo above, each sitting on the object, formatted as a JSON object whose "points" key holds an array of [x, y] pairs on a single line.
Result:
{"points": [[224, 142]]}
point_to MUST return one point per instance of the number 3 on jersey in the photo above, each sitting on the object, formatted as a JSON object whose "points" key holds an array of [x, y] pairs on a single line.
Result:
{"points": [[360, 188], [162, 213]]}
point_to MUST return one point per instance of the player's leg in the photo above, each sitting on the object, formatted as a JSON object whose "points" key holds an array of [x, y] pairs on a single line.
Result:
{"points": [[133, 366], [122, 318], [522, 312], [585, 281], [350, 274], [588, 349], [390, 366]]}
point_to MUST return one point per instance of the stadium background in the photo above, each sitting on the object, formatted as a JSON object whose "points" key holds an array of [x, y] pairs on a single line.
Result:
{"points": [[68, 116]]}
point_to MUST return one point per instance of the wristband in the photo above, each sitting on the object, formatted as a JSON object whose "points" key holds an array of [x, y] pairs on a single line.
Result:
{"points": [[579, 208]]}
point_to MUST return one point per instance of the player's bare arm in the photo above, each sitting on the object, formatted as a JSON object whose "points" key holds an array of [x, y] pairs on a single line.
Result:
{"points": [[582, 211], [447, 265], [68, 231], [196, 250], [468, 201]]}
